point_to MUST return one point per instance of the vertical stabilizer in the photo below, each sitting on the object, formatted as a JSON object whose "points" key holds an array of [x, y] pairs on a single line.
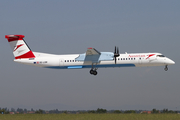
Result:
{"points": [[19, 47]]}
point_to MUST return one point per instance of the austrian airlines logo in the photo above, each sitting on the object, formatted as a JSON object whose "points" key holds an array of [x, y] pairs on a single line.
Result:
{"points": [[150, 56], [18, 46]]}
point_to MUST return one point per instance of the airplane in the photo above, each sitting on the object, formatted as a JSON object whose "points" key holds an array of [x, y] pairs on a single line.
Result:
{"points": [[92, 58]]}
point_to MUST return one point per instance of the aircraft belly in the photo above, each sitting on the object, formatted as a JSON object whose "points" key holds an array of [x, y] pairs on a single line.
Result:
{"points": [[90, 66]]}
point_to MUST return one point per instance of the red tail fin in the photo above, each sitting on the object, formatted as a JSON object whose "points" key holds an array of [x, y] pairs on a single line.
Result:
{"points": [[19, 46]]}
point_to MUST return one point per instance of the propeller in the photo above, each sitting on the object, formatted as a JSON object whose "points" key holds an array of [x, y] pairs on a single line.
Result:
{"points": [[116, 53]]}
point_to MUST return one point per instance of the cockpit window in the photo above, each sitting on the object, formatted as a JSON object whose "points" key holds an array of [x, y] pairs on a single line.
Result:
{"points": [[160, 56]]}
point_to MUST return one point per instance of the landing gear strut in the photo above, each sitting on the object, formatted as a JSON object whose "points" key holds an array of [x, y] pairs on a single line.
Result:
{"points": [[166, 68], [93, 70]]}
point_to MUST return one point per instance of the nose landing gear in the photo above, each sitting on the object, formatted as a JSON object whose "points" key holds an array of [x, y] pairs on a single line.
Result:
{"points": [[166, 68]]}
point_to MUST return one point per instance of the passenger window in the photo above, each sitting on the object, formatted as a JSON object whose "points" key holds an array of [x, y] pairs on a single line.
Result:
{"points": [[67, 60], [131, 58], [123, 58]]}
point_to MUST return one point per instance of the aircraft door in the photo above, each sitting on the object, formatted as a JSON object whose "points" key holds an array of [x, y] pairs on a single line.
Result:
{"points": [[61, 62], [140, 61]]}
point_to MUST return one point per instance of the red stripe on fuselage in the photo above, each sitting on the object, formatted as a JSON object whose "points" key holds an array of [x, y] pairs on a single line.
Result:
{"points": [[150, 56]]}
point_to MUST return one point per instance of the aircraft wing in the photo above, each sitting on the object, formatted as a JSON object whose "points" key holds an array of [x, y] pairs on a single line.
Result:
{"points": [[92, 51], [95, 56]]}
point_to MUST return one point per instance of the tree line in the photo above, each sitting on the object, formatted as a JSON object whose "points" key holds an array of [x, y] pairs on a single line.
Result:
{"points": [[98, 111]]}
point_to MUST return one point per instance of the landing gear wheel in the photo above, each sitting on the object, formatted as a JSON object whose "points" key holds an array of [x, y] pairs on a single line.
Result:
{"points": [[95, 73], [166, 68], [91, 71]]}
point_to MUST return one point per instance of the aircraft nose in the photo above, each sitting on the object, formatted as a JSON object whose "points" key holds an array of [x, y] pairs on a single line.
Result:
{"points": [[170, 62]]}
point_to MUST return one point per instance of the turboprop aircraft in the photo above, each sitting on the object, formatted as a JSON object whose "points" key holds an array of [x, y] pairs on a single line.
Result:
{"points": [[92, 58]]}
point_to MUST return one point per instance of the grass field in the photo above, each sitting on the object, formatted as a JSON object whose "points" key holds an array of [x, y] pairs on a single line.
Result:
{"points": [[90, 117]]}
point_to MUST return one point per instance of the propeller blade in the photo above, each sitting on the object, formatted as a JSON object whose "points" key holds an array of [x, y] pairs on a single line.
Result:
{"points": [[118, 51], [115, 50]]}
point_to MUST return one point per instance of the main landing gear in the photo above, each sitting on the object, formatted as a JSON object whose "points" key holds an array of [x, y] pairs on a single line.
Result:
{"points": [[93, 70], [166, 68]]}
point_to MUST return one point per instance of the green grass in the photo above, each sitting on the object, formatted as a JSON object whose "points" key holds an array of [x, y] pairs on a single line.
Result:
{"points": [[90, 117]]}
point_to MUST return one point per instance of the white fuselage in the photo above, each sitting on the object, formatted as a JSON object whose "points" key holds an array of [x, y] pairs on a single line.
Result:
{"points": [[70, 62], [91, 59]]}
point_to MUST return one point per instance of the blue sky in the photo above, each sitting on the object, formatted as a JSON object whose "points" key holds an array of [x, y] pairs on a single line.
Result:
{"points": [[65, 27]]}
